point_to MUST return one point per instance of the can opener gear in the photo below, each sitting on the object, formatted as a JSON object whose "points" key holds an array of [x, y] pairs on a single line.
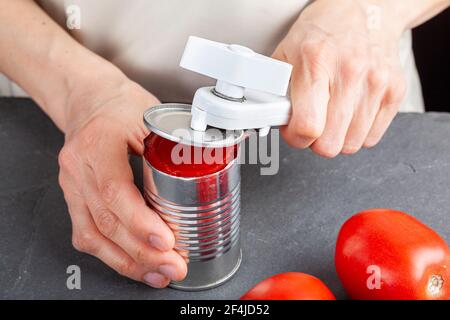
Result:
{"points": [[250, 92]]}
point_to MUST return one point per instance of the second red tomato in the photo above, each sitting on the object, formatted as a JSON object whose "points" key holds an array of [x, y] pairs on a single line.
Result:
{"points": [[289, 286]]}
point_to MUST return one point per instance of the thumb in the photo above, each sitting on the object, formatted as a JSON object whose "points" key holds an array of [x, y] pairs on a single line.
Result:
{"points": [[115, 182]]}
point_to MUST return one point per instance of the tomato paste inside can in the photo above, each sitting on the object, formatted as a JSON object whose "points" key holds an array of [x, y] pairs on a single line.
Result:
{"points": [[186, 161]]}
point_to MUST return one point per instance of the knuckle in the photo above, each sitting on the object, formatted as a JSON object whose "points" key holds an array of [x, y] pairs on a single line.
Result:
{"points": [[142, 255], [67, 158], [109, 190], [107, 223], [84, 242], [310, 49], [353, 68], [314, 53], [125, 267], [308, 129], [377, 79]]}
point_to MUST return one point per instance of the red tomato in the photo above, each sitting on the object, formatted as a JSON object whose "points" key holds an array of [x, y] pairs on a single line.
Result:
{"points": [[290, 286], [387, 254]]}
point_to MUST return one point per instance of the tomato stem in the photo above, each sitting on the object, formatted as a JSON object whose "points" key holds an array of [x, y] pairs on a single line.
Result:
{"points": [[435, 284]]}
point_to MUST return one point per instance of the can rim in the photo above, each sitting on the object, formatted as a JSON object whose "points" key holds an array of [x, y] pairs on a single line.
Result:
{"points": [[194, 137]]}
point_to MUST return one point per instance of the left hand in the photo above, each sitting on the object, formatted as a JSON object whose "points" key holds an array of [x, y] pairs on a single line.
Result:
{"points": [[110, 219], [347, 82]]}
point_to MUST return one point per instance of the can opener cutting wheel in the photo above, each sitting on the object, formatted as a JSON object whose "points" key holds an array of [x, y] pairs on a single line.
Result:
{"points": [[250, 92]]}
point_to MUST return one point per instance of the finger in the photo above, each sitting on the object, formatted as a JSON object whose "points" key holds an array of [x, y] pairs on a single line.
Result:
{"points": [[382, 122], [169, 263], [389, 108], [309, 95], [366, 110], [345, 92], [339, 115], [309, 112], [86, 238], [114, 180]]}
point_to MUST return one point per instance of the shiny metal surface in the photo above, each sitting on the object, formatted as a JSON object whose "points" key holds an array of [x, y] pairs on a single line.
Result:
{"points": [[204, 214], [173, 121]]}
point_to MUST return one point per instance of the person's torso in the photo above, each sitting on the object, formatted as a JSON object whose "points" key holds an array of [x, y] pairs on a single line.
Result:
{"points": [[146, 38]]}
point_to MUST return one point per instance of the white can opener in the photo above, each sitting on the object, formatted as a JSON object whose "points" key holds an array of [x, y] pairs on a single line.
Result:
{"points": [[250, 92]]}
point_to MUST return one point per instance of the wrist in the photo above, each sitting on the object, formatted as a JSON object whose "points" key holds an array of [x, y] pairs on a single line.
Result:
{"points": [[411, 13], [108, 95], [86, 93], [385, 17], [375, 20], [73, 74], [85, 77]]}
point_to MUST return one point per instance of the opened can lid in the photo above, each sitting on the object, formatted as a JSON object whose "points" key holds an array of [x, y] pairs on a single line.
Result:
{"points": [[173, 121]]}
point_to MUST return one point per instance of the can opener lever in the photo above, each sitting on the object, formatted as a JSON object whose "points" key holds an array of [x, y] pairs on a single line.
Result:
{"points": [[250, 92]]}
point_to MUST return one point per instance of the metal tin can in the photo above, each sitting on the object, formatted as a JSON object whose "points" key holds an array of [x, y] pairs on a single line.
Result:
{"points": [[201, 208]]}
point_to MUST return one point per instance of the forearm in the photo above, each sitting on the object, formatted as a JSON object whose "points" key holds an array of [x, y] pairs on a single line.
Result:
{"points": [[386, 20], [44, 60]]}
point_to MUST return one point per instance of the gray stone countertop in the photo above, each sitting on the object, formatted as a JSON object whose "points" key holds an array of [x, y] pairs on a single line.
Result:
{"points": [[289, 221]]}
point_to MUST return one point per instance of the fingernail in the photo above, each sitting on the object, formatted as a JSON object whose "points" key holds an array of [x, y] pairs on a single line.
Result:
{"points": [[158, 243], [155, 280], [350, 148], [170, 271]]}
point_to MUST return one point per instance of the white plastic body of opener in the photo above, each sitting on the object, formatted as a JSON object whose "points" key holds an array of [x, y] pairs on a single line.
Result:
{"points": [[250, 92]]}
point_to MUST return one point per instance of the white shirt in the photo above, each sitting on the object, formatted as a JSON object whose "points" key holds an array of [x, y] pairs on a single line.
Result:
{"points": [[145, 38]]}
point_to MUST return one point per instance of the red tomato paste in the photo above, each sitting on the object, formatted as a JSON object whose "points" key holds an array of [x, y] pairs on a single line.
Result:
{"points": [[201, 161]]}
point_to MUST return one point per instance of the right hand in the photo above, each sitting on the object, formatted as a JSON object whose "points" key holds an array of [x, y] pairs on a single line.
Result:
{"points": [[348, 82], [110, 219]]}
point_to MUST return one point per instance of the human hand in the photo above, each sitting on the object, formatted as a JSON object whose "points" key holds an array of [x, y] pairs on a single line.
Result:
{"points": [[347, 82], [110, 219]]}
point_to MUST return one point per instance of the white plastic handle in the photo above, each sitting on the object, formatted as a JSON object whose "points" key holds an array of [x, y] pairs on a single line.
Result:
{"points": [[236, 65]]}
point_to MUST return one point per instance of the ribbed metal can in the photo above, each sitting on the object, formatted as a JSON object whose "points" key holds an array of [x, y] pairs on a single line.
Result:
{"points": [[204, 214]]}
